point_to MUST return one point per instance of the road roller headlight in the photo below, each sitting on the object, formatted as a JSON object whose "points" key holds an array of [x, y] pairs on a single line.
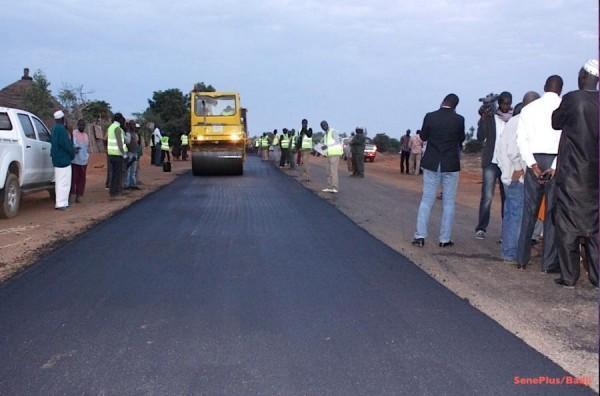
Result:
{"points": [[235, 137], [199, 138]]}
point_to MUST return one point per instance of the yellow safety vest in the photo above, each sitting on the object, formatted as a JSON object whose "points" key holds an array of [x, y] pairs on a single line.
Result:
{"points": [[285, 141], [257, 143], [275, 141], [184, 140], [264, 142], [164, 143], [112, 147], [307, 143], [333, 148]]}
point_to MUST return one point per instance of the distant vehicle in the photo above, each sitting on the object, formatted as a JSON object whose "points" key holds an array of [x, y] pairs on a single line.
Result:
{"points": [[370, 149], [218, 136], [25, 162]]}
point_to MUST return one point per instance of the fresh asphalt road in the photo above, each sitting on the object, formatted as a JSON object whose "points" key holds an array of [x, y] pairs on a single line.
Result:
{"points": [[247, 285]]}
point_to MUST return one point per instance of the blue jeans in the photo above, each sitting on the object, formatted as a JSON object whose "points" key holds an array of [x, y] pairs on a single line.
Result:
{"points": [[511, 222], [131, 180], [491, 174], [431, 181]]}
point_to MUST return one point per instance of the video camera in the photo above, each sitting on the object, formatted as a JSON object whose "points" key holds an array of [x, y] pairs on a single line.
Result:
{"points": [[489, 104]]}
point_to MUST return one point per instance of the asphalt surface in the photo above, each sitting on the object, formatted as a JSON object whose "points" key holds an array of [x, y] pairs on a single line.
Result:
{"points": [[247, 285]]}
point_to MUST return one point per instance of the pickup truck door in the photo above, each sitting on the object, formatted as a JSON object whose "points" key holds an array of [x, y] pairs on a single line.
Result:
{"points": [[31, 150], [47, 169]]}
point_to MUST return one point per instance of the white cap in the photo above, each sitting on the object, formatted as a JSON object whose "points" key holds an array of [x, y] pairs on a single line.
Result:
{"points": [[591, 66], [58, 115], [137, 125]]}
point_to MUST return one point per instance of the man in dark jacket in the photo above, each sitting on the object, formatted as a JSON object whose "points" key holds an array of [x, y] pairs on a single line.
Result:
{"points": [[575, 211], [444, 132], [62, 153], [489, 130], [357, 149]]}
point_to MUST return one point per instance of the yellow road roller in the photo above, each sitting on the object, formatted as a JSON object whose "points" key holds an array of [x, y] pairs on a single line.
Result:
{"points": [[218, 133]]}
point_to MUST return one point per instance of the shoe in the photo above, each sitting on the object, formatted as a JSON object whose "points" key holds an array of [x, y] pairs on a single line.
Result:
{"points": [[62, 208], [521, 267], [334, 191], [419, 242], [446, 244], [326, 190], [135, 188], [563, 283], [480, 234]]}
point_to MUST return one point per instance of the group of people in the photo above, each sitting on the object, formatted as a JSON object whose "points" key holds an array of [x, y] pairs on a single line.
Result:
{"points": [[546, 147], [70, 157], [412, 149], [161, 147]]}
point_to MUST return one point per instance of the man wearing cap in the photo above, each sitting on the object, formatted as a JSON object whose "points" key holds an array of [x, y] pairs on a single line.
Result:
{"points": [[62, 153], [575, 211]]}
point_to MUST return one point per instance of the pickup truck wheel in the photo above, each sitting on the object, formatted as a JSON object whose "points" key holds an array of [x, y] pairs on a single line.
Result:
{"points": [[10, 197]]}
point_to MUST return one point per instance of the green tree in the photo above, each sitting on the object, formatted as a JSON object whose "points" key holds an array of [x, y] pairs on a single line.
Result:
{"points": [[382, 141], [38, 97], [97, 110], [201, 87], [170, 110]]}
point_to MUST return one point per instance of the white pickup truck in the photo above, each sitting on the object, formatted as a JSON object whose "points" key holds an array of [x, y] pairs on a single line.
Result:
{"points": [[25, 162]]}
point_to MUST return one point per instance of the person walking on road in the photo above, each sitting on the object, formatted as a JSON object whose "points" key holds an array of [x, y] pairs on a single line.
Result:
{"points": [[306, 146], [334, 151], [405, 152], [538, 145], [444, 130], [264, 147], [489, 131], [80, 161], [117, 151], [576, 179], [62, 153], [416, 145], [348, 153], [357, 150]]}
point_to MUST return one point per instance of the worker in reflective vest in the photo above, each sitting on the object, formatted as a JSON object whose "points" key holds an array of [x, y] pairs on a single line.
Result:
{"points": [[334, 151], [116, 150], [164, 148], [306, 146], [264, 146], [184, 146], [284, 147], [292, 149]]}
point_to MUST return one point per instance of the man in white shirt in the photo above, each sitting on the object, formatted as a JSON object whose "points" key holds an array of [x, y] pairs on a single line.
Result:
{"points": [[512, 167], [415, 145], [156, 136], [538, 146], [489, 131]]}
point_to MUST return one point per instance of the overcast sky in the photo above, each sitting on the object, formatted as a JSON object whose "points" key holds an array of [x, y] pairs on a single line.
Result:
{"points": [[379, 64]]}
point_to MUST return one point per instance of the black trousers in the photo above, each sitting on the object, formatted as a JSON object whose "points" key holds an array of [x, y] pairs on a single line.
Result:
{"points": [[116, 175], [534, 192], [284, 157], [358, 163], [404, 160], [569, 247], [184, 154], [108, 171]]}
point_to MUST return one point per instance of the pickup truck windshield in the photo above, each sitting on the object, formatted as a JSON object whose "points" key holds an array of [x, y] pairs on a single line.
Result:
{"points": [[211, 106]]}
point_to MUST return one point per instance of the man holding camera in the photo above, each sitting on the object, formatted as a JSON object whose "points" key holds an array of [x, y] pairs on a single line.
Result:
{"points": [[489, 130], [538, 145]]}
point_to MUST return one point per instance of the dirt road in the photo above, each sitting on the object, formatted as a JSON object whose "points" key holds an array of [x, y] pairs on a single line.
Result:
{"points": [[560, 323], [38, 227]]}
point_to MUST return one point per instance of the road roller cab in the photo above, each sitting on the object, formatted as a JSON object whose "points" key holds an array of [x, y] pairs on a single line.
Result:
{"points": [[218, 135]]}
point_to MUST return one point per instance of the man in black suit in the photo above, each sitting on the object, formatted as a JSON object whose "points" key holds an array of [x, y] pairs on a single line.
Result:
{"points": [[444, 132]]}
